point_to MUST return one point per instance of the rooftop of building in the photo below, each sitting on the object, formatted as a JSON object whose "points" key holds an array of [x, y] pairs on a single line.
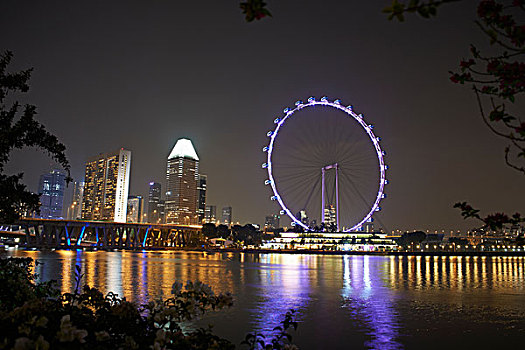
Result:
{"points": [[183, 149]]}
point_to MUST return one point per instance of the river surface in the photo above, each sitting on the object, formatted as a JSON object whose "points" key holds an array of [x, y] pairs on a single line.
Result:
{"points": [[342, 302]]}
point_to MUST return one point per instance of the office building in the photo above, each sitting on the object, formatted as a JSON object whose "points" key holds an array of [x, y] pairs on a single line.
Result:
{"points": [[210, 214], [162, 212], [106, 187], [182, 177], [272, 222], [227, 216], [51, 188], [135, 209], [330, 215], [201, 197], [154, 196], [74, 210]]}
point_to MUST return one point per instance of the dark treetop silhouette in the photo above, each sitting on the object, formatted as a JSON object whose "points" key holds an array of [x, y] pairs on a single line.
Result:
{"points": [[19, 129]]}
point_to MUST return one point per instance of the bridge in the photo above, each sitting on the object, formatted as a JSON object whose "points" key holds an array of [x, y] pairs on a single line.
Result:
{"points": [[50, 233]]}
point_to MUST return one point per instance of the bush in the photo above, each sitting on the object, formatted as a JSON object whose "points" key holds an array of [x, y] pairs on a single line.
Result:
{"points": [[37, 316]]}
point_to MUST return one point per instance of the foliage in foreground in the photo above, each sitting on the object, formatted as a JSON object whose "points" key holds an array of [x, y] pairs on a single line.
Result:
{"points": [[36, 316]]}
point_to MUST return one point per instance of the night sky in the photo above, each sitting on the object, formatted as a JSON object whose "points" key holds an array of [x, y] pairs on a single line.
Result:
{"points": [[141, 74]]}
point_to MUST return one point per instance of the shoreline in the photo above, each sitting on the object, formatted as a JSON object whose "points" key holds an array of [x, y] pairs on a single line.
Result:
{"points": [[292, 251]]}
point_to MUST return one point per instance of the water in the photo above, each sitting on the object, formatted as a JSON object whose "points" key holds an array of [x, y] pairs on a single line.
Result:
{"points": [[342, 302]]}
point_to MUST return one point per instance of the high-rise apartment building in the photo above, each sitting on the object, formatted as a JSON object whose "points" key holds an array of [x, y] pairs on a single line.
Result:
{"points": [[51, 188], [226, 216], [135, 209], [210, 214], [106, 187], [154, 196], [201, 197], [182, 177], [74, 210]]}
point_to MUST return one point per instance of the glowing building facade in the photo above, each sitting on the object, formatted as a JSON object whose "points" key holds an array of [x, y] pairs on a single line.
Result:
{"points": [[106, 187], [201, 197], [154, 196], [135, 209], [74, 210], [210, 214], [182, 178], [51, 187]]}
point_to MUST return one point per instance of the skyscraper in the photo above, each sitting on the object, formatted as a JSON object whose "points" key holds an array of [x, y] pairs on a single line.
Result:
{"points": [[330, 215], [162, 212], [227, 216], [272, 221], [201, 197], [153, 202], [210, 214], [51, 187], [74, 210], [135, 209], [182, 176], [106, 187]]}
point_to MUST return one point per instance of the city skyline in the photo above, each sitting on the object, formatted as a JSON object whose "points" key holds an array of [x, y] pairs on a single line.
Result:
{"points": [[135, 79]]}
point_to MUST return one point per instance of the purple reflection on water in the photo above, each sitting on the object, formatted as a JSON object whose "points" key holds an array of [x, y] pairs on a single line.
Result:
{"points": [[370, 301], [284, 286]]}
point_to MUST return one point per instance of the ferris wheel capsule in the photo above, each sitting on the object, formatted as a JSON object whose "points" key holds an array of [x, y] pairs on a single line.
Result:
{"points": [[337, 102], [265, 149], [298, 103], [311, 99], [324, 99]]}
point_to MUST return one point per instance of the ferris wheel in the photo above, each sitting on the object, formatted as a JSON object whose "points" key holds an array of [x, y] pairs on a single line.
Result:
{"points": [[325, 166]]}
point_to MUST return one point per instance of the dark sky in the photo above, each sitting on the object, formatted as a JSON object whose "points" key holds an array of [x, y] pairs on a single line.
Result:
{"points": [[141, 74]]}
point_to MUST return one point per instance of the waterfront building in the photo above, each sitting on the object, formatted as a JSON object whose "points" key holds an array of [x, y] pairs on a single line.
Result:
{"points": [[201, 197], [227, 216], [210, 214], [106, 186], [335, 241], [154, 195], [74, 209], [182, 177], [135, 209], [51, 188]]}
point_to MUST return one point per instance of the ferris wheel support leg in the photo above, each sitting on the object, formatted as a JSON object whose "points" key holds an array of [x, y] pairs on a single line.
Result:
{"points": [[337, 194], [322, 194]]}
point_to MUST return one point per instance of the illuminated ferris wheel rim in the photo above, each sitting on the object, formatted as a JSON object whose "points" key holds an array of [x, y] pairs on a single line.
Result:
{"points": [[288, 112]]}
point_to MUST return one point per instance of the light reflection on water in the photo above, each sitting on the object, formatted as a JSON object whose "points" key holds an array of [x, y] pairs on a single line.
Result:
{"points": [[376, 302], [369, 299]]}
